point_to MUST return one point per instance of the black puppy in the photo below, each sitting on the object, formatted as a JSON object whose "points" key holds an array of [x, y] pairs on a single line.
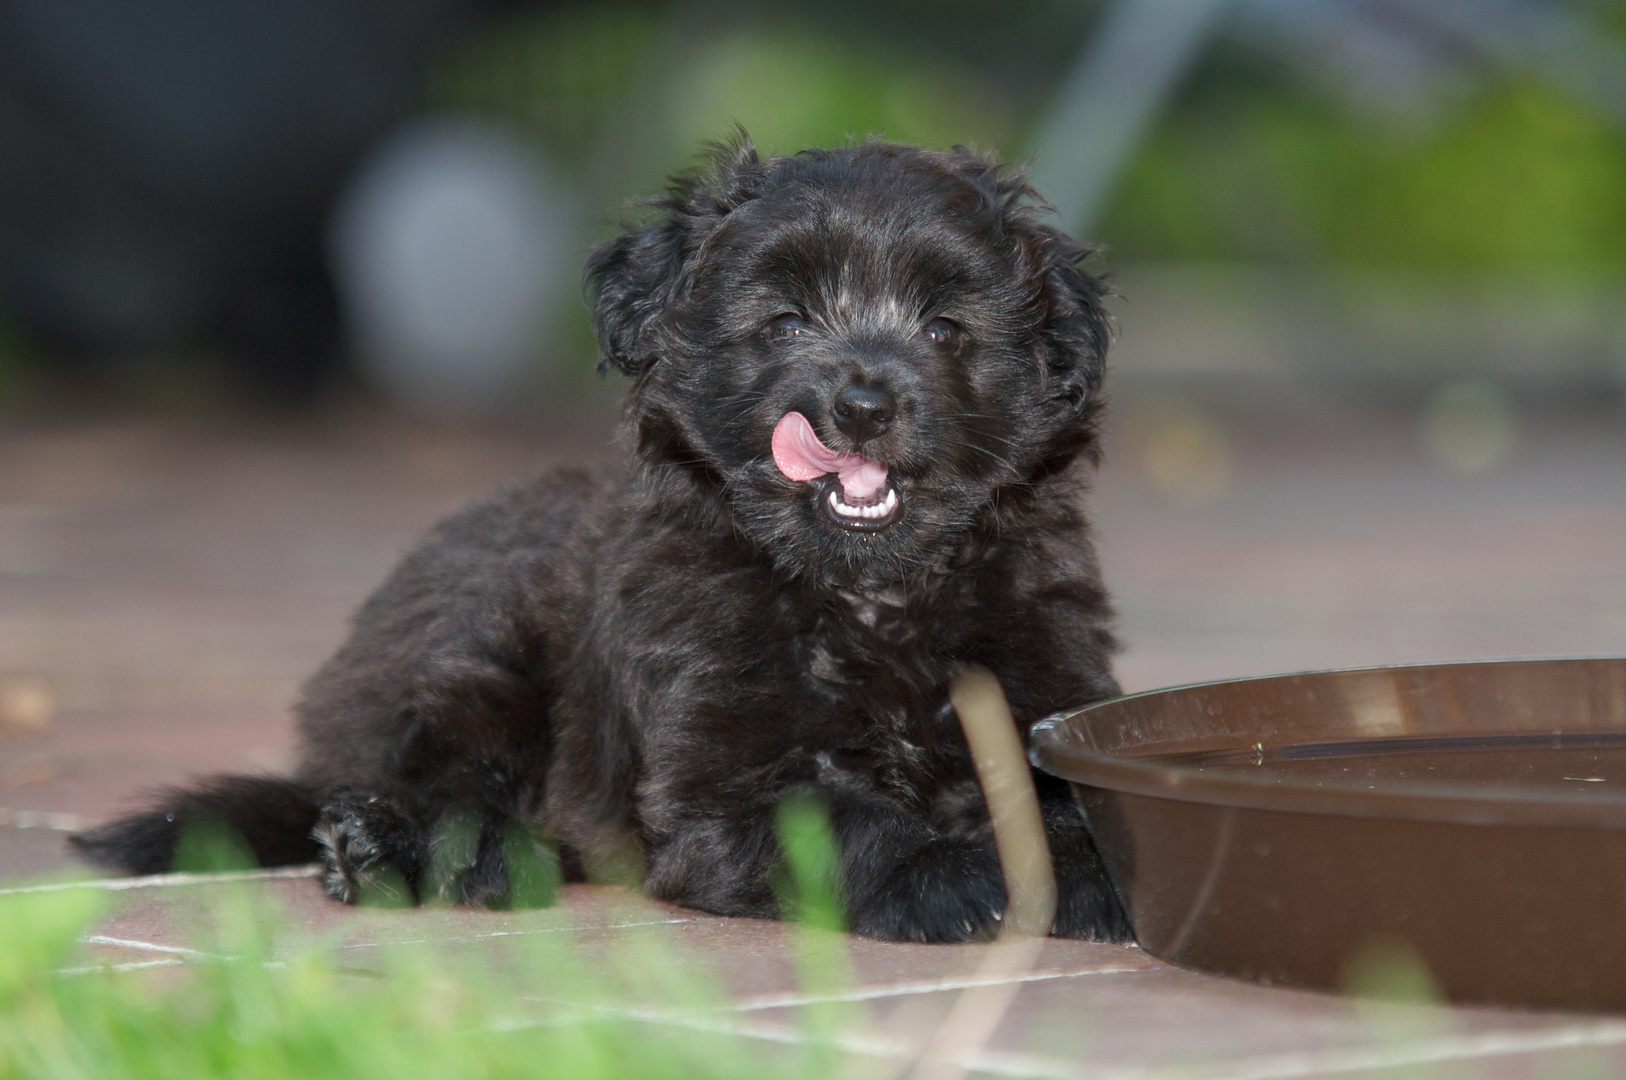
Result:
{"points": [[864, 391]]}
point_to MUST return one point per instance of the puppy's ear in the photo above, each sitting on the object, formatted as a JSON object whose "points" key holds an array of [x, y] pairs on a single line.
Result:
{"points": [[630, 281], [1073, 325], [634, 279], [1076, 327]]}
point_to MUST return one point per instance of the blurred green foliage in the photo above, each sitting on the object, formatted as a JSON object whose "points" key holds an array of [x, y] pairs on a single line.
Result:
{"points": [[812, 890], [255, 1002], [808, 91], [258, 1011], [1388, 968], [624, 97], [1519, 177], [19, 376], [562, 74], [1251, 161]]}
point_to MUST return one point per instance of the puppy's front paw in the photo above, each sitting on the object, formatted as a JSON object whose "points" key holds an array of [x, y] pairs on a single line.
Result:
{"points": [[1086, 904], [945, 892], [373, 853]]}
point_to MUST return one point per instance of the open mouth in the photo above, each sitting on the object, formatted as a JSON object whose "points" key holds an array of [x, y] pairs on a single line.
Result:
{"points": [[858, 515], [854, 491]]}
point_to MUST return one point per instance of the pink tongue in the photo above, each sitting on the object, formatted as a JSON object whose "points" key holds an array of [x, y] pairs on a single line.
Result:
{"points": [[801, 456]]}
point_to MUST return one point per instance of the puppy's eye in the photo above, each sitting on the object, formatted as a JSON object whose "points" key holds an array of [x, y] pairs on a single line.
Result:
{"points": [[944, 334], [784, 326]]}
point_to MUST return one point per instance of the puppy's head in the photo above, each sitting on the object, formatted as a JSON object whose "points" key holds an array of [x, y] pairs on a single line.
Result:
{"points": [[853, 350]]}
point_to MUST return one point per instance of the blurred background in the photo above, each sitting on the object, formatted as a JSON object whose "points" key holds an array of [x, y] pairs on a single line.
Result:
{"points": [[283, 280], [273, 201]]}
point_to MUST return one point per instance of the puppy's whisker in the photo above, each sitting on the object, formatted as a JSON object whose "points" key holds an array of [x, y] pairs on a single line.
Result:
{"points": [[982, 450], [985, 434], [746, 400]]}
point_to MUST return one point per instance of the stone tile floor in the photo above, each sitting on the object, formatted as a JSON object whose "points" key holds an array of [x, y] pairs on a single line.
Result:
{"points": [[163, 591]]}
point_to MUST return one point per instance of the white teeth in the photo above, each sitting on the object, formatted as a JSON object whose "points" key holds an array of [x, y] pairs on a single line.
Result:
{"points": [[879, 510]]}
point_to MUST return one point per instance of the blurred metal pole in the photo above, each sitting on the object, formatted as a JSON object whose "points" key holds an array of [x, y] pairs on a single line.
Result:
{"points": [[1111, 96]]}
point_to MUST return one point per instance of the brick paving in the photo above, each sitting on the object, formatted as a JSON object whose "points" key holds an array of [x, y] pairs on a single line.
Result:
{"points": [[164, 590]]}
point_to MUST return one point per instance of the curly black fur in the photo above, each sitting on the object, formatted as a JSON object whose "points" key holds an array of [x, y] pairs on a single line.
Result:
{"points": [[645, 659]]}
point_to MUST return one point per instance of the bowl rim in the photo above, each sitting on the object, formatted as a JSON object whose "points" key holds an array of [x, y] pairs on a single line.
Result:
{"points": [[1055, 749]]}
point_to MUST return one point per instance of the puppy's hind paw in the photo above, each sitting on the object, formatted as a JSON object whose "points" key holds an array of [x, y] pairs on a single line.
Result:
{"points": [[370, 850], [949, 892]]}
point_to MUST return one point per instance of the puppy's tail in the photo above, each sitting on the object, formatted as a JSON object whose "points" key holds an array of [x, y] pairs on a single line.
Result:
{"points": [[273, 816]]}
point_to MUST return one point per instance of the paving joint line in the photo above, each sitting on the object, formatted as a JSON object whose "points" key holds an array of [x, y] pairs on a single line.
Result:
{"points": [[793, 1000], [42, 819], [145, 946], [514, 933], [1013, 1065], [1019, 1065], [1420, 1052], [173, 880], [135, 965]]}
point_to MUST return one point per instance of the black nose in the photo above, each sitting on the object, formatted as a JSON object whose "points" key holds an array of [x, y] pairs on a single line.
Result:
{"points": [[864, 412]]}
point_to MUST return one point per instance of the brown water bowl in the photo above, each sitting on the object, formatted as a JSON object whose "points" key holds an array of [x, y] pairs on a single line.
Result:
{"points": [[1288, 829]]}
